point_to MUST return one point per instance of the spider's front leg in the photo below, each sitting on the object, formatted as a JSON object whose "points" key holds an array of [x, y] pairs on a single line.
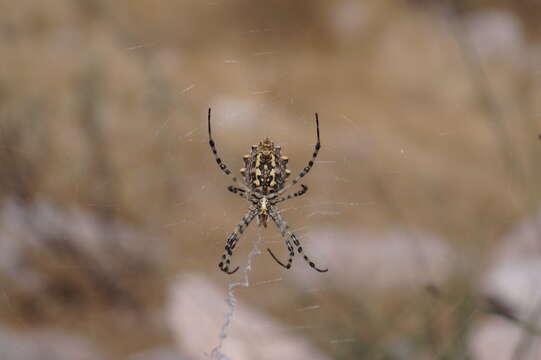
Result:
{"points": [[298, 193], [233, 239], [307, 169], [219, 161], [284, 229]]}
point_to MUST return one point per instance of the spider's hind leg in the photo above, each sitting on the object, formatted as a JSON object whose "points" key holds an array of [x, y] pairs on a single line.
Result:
{"points": [[284, 229], [289, 260], [232, 242], [226, 261], [306, 258]]}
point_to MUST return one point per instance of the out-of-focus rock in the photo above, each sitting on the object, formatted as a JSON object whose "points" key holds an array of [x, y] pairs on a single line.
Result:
{"points": [[45, 345], [517, 287], [499, 339], [522, 242], [496, 34], [348, 17], [197, 312], [164, 353], [358, 259], [55, 260], [511, 288], [514, 276]]}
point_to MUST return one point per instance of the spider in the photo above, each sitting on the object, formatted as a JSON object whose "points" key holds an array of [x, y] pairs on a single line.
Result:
{"points": [[264, 181]]}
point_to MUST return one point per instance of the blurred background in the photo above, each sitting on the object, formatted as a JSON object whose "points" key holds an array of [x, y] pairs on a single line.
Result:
{"points": [[423, 202]]}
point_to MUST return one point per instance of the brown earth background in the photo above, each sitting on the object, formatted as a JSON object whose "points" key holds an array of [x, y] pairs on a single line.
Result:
{"points": [[429, 121]]}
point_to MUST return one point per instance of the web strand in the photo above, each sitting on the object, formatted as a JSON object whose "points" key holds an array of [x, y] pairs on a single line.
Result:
{"points": [[217, 353]]}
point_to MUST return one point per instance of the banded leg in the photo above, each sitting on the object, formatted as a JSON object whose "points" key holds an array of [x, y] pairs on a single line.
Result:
{"points": [[306, 170], [291, 255], [219, 161], [233, 239], [284, 229], [298, 193], [241, 192]]}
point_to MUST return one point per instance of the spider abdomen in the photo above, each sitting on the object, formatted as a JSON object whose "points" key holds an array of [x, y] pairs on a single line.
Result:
{"points": [[265, 169]]}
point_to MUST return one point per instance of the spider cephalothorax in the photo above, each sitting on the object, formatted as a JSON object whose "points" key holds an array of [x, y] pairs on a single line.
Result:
{"points": [[264, 174]]}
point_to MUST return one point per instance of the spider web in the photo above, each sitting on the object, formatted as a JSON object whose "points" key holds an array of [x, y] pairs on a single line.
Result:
{"points": [[416, 260], [217, 353], [423, 202]]}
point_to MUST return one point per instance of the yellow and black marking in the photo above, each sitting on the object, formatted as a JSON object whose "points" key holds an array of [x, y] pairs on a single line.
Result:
{"points": [[263, 182], [265, 169]]}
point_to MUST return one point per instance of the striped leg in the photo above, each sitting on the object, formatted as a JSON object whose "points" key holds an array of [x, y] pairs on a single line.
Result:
{"points": [[241, 192], [233, 239], [298, 193], [307, 168], [291, 255], [219, 161], [284, 229]]}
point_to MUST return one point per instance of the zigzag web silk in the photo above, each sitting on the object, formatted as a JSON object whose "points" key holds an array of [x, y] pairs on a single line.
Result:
{"points": [[217, 353]]}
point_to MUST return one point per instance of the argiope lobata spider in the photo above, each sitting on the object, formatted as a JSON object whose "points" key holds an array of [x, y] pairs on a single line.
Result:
{"points": [[264, 180]]}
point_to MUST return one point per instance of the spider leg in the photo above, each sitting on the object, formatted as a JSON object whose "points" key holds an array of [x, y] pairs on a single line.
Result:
{"points": [[232, 241], [241, 192], [307, 168], [298, 193], [284, 229], [219, 161], [289, 260]]}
